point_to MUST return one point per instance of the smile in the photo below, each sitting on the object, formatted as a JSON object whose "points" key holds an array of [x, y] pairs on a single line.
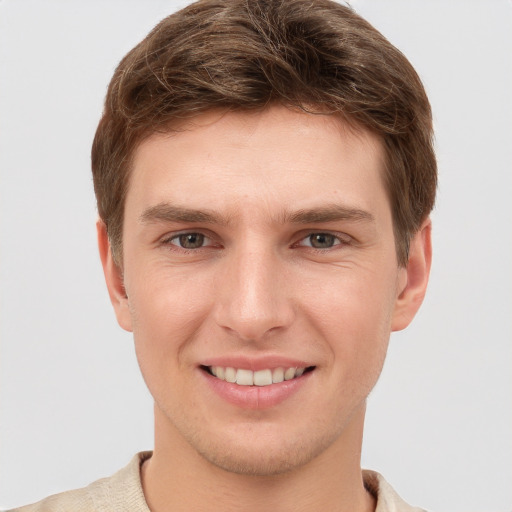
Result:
{"points": [[264, 377]]}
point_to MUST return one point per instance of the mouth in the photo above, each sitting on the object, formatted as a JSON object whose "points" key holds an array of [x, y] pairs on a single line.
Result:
{"points": [[261, 378]]}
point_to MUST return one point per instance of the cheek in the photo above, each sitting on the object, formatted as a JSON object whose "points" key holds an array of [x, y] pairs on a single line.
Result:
{"points": [[169, 299], [354, 314], [167, 312]]}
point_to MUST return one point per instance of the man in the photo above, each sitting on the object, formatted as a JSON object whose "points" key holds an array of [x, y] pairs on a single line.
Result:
{"points": [[264, 175]]}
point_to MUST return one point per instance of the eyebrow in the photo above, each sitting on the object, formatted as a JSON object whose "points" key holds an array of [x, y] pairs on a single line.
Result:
{"points": [[329, 213], [165, 212]]}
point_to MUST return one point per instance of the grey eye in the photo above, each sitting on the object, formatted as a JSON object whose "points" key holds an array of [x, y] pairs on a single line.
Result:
{"points": [[322, 240], [190, 240]]}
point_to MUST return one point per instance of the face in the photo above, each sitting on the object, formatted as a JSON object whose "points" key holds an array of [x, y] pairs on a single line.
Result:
{"points": [[261, 283]]}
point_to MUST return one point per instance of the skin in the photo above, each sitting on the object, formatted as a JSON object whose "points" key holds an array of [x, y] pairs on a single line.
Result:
{"points": [[257, 290]]}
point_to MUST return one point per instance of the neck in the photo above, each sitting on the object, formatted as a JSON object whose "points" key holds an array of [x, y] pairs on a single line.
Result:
{"points": [[177, 478]]}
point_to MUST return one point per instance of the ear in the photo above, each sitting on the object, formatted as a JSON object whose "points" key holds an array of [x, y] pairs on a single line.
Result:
{"points": [[413, 279], [113, 278]]}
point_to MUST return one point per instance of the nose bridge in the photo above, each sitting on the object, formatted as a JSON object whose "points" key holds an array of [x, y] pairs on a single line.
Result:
{"points": [[254, 297]]}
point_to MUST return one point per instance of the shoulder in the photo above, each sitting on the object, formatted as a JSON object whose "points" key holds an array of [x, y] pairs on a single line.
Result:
{"points": [[77, 499], [121, 491], [387, 498]]}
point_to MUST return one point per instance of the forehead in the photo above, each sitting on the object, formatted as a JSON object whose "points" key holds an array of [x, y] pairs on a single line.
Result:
{"points": [[276, 158]]}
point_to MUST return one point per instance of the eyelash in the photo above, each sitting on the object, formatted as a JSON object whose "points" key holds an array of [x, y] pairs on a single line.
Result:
{"points": [[168, 241], [340, 239]]}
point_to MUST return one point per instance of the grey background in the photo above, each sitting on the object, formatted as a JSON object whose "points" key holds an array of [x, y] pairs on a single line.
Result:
{"points": [[73, 406]]}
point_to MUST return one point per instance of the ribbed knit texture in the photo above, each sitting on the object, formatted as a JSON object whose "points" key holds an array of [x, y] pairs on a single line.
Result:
{"points": [[387, 498], [122, 492]]}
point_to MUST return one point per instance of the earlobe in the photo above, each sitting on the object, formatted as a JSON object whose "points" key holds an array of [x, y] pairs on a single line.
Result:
{"points": [[113, 278], [415, 278]]}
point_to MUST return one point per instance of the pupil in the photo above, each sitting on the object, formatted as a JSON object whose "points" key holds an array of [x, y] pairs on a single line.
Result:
{"points": [[322, 240], [191, 240]]}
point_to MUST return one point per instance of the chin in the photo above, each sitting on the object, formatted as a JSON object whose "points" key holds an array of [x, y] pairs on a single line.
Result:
{"points": [[258, 464], [262, 457]]}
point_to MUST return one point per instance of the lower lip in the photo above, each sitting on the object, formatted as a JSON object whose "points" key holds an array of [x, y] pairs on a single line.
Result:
{"points": [[256, 397]]}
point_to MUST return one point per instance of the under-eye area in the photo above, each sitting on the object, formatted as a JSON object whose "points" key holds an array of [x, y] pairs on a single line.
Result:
{"points": [[265, 377]]}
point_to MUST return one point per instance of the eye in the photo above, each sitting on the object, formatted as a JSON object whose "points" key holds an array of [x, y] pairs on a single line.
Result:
{"points": [[190, 240], [321, 241]]}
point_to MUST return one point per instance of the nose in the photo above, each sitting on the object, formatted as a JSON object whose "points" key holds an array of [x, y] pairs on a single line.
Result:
{"points": [[253, 298]]}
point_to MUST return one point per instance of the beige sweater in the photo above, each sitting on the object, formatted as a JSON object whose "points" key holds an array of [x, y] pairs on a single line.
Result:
{"points": [[122, 492]]}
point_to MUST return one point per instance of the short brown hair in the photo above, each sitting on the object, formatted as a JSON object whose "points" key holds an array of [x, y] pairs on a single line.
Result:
{"points": [[316, 55]]}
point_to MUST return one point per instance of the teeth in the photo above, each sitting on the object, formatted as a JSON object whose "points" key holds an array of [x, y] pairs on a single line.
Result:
{"points": [[278, 375], [266, 377], [245, 377], [230, 375], [289, 374], [262, 378]]}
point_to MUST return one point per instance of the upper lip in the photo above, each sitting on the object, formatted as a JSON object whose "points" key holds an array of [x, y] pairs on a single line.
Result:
{"points": [[256, 363]]}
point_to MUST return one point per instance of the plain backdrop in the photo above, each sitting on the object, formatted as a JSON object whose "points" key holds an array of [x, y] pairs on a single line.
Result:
{"points": [[73, 406]]}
